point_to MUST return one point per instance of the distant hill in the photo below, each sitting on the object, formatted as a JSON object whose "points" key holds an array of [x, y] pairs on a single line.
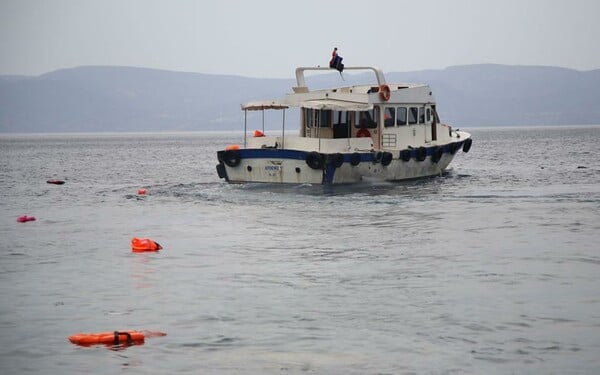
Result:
{"points": [[103, 98]]}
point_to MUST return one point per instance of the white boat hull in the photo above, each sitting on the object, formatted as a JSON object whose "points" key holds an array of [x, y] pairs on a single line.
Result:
{"points": [[300, 167]]}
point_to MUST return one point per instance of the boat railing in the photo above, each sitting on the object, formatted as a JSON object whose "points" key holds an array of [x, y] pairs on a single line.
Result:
{"points": [[302, 82]]}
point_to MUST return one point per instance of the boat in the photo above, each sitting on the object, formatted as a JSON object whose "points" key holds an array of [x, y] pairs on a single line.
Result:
{"points": [[376, 131]]}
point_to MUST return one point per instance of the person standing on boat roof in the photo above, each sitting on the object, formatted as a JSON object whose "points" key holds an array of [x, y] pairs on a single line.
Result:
{"points": [[336, 61]]}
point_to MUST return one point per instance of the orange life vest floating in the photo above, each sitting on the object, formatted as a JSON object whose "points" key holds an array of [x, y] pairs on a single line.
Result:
{"points": [[55, 182], [108, 338], [25, 218], [113, 338], [144, 244], [142, 191]]}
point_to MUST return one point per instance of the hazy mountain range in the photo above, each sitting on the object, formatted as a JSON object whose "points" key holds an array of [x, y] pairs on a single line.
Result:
{"points": [[107, 98]]}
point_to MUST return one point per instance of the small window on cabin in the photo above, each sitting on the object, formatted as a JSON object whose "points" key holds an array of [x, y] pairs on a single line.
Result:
{"points": [[340, 117], [309, 117], [428, 112], [421, 115], [413, 113], [388, 116], [325, 120], [401, 116], [365, 119], [324, 117]]}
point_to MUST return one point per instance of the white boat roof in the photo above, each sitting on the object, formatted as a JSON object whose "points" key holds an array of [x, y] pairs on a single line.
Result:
{"points": [[302, 83], [353, 98]]}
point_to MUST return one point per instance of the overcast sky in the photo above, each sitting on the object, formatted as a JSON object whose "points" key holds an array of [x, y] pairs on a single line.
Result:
{"points": [[269, 38]]}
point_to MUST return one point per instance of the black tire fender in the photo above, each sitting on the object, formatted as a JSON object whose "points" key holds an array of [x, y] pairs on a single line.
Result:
{"points": [[315, 160], [386, 158], [467, 145], [405, 155], [436, 154], [336, 159], [421, 153], [231, 158], [355, 159]]}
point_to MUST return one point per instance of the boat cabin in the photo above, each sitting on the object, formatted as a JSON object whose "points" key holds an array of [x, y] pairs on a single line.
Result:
{"points": [[392, 117]]}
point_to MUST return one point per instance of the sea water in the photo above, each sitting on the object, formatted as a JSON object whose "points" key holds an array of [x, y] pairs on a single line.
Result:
{"points": [[493, 268]]}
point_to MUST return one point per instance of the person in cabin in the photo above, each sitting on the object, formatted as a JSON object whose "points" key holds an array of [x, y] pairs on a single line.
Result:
{"points": [[336, 61]]}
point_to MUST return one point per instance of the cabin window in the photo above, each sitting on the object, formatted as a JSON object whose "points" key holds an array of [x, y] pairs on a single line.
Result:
{"points": [[413, 115], [308, 117], [428, 112], [388, 116], [401, 116], [324, 118], [421, 115], [434, 114], [341, 128], [366, 119], [340, 117], [317, 118]]}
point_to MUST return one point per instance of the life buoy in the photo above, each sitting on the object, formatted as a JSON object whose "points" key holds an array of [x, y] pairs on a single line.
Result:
{"points": [[108, 338], [467, 145], [336, 159], [421, 153], [315, 160], [436, 154], [355, 159], [55, 182], [363, 133], [384, 92], [405, 155], [386, 158], [144, 244], [232, 158]]}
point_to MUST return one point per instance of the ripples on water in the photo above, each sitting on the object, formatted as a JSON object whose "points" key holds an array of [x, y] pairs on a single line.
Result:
{"points": [[492, 268]]}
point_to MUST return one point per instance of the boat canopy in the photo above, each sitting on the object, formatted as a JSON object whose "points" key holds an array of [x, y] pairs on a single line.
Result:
{"points": [[264, 104], [336, 105], [332, 104]]}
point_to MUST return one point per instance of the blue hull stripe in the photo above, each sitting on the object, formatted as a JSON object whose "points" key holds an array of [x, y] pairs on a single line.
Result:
{"points": [[273, 153]]}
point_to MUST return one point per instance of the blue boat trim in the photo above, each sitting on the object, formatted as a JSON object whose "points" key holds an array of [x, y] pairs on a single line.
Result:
{"points": [[270, 153]]}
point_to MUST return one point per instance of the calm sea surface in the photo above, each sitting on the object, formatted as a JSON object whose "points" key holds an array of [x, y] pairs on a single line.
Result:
{"points": [[491, 269]]}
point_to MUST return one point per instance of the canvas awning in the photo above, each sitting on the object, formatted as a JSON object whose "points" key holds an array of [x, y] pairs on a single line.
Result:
{"points": [[332, 104], [336, 105], [264, 104]]}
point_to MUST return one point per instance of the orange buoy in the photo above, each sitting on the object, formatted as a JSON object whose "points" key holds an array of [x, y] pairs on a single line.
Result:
{"points": [[232, 147], [25, 218], [142, 191], [144, 244], [258, 133]]}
